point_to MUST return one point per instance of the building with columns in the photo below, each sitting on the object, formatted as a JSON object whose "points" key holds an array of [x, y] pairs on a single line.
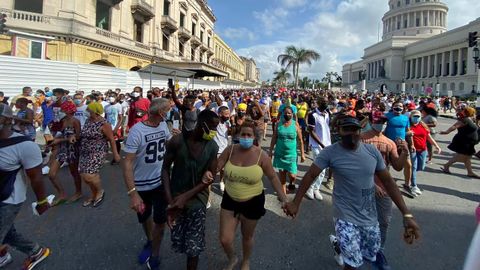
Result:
{"points": [[126, 34], [417, 49], [226, 59]]}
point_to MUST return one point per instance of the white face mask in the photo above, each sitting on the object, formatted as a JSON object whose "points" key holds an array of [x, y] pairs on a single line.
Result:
{"points": [[61, 115], [111, 99], [135, 94]]}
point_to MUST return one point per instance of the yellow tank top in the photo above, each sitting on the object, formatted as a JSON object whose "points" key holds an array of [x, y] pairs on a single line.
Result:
{"points": [[275, 107], [243, 183], [302, 110]]}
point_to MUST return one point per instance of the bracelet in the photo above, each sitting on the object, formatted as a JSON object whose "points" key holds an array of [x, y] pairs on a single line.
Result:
{"points": [[408, 216], [131, 190], [42, 202]]}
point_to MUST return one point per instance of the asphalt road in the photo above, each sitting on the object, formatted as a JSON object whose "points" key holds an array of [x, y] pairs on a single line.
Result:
{"points": [[109, 237]]}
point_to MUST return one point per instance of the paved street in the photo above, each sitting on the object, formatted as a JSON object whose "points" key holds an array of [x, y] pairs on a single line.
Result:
{"points": [[110, 237]]}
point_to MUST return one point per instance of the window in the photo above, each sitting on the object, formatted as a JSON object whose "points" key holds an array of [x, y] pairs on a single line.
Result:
{"points": [[201, 36], [166, 7], [398, 4], [192, 53], [425, 21], [194, 28], [461, 86], [102, 16], [405, 24], [35, 6], [452, 86], [165, 43], [464, 67], [30, 48], [417, 23], [398, 25], [407, 2], [181, 49], [208, 42], [137, 30], [182, 20]]}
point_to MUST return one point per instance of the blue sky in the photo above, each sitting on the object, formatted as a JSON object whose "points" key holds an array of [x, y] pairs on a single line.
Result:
{"points": [[338, 29]]}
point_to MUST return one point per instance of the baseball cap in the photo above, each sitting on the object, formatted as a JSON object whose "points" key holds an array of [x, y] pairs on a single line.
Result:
{"points": [[349, 122], [5, 110]]}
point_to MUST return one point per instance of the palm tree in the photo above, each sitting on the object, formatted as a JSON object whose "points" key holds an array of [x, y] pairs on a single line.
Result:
{"points": [[305, 83], [282, 76], [293, 57], [332, 77]]}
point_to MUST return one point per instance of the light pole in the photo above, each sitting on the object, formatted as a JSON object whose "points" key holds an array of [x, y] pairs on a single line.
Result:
{"points": [[364, 83], [476, 60], [437, 87], [423, 88], [403, 85]]}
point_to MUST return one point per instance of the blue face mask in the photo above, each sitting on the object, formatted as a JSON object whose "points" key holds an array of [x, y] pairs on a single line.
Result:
{"points": [[246, 143], [415, 120]]}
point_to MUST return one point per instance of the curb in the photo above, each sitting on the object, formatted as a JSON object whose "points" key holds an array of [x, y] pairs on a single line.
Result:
{"points": [[448, 116]]}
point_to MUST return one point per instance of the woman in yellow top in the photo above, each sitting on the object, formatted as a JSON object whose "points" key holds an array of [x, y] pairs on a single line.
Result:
{"points": [[244, 199]]}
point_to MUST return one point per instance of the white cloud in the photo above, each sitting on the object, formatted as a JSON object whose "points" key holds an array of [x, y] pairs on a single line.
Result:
{"points": [[293, 3], [239, 33], [339, 33], [271, 19]]}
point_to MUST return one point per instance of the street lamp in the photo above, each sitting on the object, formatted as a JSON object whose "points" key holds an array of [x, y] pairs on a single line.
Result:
{"points": [[403, 85], [476, 60], [437, 87], [423, 88]]}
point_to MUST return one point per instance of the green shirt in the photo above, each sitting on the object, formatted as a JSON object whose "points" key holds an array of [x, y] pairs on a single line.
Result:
{"points": [[187, 172]]}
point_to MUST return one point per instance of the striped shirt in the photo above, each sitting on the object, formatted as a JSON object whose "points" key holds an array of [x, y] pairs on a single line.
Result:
{"points": [[148, 143]]}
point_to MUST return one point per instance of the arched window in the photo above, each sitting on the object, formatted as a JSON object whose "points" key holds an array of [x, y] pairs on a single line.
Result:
{"points": [[407, 2], [398, 4], [444, 86], [461, 86], [452, 86], [102, 63]]}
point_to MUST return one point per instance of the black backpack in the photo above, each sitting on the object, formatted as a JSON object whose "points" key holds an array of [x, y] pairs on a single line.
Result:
{"points": [[7, 178]]}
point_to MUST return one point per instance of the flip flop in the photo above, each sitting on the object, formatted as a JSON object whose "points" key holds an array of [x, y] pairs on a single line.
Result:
{"points": [[87, 203], [99, 201], [59, 202], [445, 170]]}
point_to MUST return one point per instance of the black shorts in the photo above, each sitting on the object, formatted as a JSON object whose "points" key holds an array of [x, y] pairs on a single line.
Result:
{"points": [[252, 209], [155, 199]]}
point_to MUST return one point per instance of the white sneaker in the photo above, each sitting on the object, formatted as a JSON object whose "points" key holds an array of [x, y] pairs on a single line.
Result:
{"points": [[310, 194], [209, 205], [64, 164], [4, 260], [222, 186], [45, 170], [337, 253], [318, 195], [416, 190]]}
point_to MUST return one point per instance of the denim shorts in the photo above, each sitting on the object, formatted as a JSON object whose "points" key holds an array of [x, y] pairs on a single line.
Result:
{"points": [[357, 242]]}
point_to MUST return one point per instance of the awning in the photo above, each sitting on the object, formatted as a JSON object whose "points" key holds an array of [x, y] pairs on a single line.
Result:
{"points": [[200, 69], [161, 69]]}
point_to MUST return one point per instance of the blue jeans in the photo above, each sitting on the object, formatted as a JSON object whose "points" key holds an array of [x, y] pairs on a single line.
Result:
{"points": [[418, 164], [8, 233]]}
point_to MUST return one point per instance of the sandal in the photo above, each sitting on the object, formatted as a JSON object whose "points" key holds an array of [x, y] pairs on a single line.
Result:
{"points": [[58, 202], [445, 170], [99, 201], [87, 203], [474, 176]]}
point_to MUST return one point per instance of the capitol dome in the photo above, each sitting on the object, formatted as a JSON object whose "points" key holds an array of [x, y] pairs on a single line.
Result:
{"points": [[414, 18]]}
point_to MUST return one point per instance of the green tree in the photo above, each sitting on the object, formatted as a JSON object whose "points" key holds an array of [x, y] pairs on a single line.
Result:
{"points": [[282, 76], [305, 83], [293, 57], [332, 78]]}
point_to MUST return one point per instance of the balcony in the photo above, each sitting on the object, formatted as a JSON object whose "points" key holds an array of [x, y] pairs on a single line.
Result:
{"points": [[184, 34], [142, 9], [195, 42], [141, 45], [169, 25], [210, 51], [203, 48]]}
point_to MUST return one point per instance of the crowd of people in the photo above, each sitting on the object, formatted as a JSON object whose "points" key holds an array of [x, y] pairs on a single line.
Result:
{"points": [[173, 145]]}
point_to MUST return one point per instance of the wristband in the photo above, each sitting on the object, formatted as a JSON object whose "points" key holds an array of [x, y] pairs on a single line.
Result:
{"points": [[408, 216], [131, 190]]}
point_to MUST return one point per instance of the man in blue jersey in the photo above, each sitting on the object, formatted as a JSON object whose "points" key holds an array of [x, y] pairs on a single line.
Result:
{"points": [[145, 148]]}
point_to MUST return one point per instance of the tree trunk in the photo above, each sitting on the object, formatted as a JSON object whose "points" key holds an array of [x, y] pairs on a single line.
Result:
{"points": [[296, 75]]}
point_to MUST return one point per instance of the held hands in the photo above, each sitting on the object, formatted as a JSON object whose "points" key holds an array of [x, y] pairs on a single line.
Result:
{"points": [[290, 209], [412, 230], [72, 139], [208, 178]]}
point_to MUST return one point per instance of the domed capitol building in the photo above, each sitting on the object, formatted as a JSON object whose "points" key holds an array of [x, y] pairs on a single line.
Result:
{"points": [[417, 49]]}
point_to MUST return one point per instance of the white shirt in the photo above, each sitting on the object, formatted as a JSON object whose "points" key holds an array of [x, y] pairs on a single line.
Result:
{"points": [[321, 128], [112, 111], [25, 154], [148, 143], [82, 115], [221, 138]]}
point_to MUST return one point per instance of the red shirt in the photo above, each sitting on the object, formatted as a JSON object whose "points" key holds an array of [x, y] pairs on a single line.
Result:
{"points": [[420, 136], [141, 105]]}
